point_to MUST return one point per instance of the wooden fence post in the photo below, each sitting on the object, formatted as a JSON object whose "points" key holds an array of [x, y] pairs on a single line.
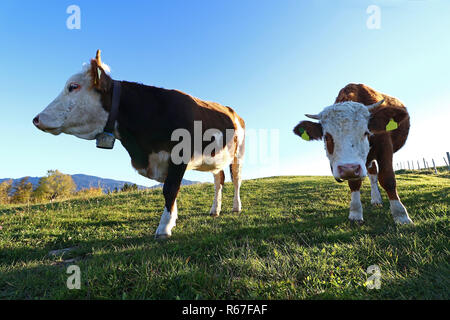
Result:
{"points": [[434, 165], [448, 158]]}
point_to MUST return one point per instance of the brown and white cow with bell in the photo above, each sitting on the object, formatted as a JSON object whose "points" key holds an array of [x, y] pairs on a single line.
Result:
{"points": [[362, 129], [149, 122]]}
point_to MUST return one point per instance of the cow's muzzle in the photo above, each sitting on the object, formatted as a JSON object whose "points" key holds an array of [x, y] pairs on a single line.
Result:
{"points": [[38, 124], [349, 171]]}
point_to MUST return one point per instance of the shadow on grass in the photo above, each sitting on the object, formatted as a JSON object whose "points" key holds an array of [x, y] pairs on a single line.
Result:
{"points": [[202, 279], [126, 263]]}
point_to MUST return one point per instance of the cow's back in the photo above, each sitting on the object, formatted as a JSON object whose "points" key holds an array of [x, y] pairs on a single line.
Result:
{"points": [[215, 115], [367, 96]]}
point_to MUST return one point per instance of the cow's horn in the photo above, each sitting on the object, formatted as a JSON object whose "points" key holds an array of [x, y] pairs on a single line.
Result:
{"points": [[313, 116], [98, 57], [375, 105]]}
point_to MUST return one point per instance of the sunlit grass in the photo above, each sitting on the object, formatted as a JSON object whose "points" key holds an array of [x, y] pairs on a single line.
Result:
{"points": [[292, 241]]}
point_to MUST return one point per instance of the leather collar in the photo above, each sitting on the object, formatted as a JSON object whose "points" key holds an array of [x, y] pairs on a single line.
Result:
{"points": [[109, 127], [105, 140]]}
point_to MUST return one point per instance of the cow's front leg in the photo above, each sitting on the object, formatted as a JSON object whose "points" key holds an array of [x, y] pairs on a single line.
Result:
{"points": [[170, 190], [167, 222], [375, 194], [356, 210], [388, 182], [219, 180]]}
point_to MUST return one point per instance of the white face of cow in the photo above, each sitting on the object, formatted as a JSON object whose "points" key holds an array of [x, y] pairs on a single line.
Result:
{"points": [[344, 127], [77, 110], [345, 130]]}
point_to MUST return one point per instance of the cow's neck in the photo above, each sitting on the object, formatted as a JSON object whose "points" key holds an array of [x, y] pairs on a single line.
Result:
{"points": [[146, 119], [125, 123]]}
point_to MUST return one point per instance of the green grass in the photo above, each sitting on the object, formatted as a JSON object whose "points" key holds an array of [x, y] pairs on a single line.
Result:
{"points": [[292, 241]]}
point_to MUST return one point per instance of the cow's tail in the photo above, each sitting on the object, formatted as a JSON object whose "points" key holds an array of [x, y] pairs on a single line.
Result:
{"points": [[231, 171]]}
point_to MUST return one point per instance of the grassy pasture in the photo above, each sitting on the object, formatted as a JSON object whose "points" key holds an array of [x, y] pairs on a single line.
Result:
{"points": [[292, 241]]}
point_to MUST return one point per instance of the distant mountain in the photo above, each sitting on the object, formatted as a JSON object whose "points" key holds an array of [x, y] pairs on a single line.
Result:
{"points": [[184, 182], [84, 181], [33, 180]]}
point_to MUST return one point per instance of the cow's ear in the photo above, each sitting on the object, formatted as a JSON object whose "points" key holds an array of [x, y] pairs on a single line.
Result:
{"points": [[100, 80], [387, 119], [308, 130]]}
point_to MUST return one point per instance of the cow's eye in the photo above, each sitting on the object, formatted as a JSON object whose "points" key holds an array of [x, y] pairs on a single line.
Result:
{"points": [[73, 86], [329, 143], [366, 134]]}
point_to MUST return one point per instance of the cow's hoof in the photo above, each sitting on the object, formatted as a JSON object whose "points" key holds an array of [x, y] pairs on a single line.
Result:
{"points": [[214, 214], [237, 206], [403, 220], [377, 204], [356, 222], [356, 215], [162, 236]]}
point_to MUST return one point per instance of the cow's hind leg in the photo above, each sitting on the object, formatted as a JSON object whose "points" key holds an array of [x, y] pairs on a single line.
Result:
{"points": [[388, 182], [376, 199], [219, 180], [170, 191], [356, 210], [235, 169]]}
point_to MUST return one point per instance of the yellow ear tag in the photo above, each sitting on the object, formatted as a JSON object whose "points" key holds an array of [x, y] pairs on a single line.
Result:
{"points": [[304, 134], [392, 125]]}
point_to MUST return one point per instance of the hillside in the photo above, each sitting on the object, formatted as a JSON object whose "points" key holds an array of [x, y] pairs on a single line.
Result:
{"points": [[292, 241], [85, 181]]}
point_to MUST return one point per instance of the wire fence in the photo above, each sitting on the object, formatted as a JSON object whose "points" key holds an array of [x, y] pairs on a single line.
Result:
{"points": [[423, 164]]}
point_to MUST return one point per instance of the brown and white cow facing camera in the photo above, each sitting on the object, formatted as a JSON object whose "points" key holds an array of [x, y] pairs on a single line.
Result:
{"points": [[362, 126]]}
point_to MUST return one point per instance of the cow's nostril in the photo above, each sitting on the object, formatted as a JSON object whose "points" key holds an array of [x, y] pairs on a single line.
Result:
{"points": [[36, 120]]}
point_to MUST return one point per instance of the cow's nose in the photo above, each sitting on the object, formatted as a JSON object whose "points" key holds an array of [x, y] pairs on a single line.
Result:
{"points": [[349, 171], [36, 120]]}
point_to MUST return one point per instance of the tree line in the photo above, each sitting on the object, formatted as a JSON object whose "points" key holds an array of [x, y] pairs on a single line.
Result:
{"points": [[55, 185]]}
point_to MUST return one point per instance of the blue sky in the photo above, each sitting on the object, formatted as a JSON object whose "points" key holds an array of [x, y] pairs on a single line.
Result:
{"points": [[272, 61]]}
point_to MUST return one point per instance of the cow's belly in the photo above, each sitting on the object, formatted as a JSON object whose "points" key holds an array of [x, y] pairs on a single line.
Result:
{"points": [[222, 158], [158, 163], [211, 164]]}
